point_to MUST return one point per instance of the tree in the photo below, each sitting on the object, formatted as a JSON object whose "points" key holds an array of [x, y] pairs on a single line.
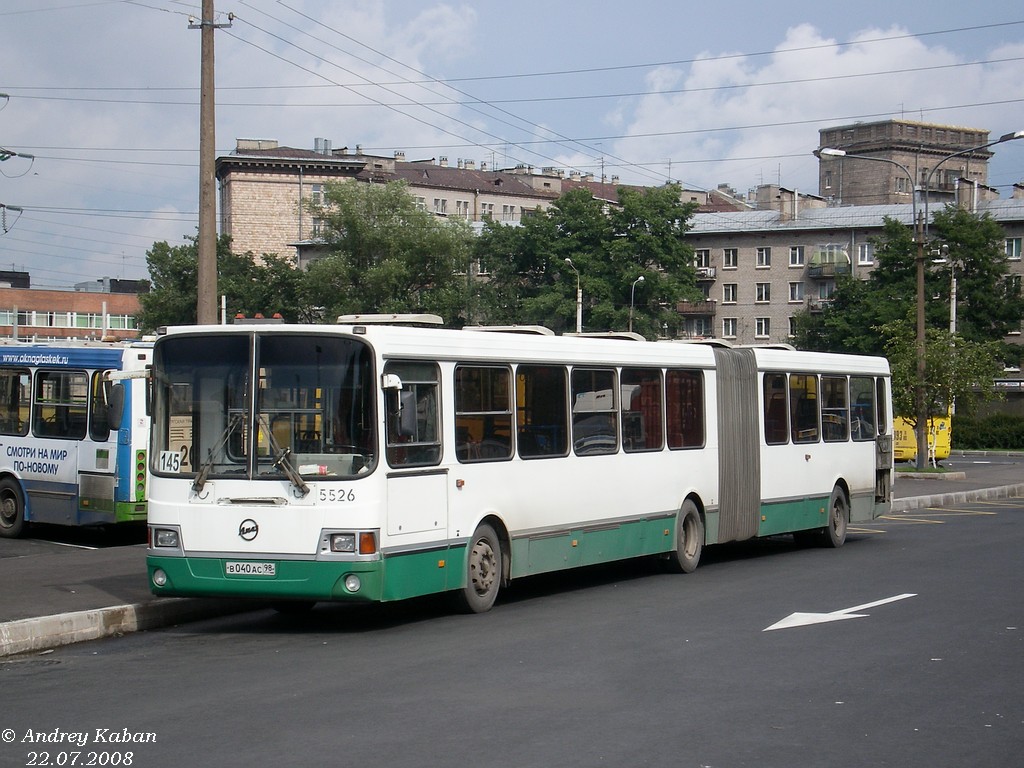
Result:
{"points": [[270, 285], [959, 371], [529, 281], [386, 255]]}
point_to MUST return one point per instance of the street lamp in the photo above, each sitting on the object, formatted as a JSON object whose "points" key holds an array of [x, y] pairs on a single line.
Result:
{"points": [[928, 179], [632, 294], [579, 296], [920, 411]]}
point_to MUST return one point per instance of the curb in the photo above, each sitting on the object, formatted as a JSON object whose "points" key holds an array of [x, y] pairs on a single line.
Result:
{"points": [[46, 632], [957, 497]]}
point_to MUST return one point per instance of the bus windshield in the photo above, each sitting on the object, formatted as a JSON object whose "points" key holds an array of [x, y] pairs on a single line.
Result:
{"points": [[263, 407]]}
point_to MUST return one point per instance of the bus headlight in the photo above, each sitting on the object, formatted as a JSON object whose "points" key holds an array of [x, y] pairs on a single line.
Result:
{"points": [[353, 583], [165, 537], [343, 542]]}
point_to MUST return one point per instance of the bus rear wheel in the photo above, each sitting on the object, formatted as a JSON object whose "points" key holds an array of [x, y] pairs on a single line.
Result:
{"points": [[834, 534], [689, 539], [12, 509], [483, 572]]}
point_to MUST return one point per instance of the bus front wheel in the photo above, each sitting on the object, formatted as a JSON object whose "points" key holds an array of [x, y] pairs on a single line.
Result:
{"points": [[689, 539], [12, 509], [483, 572]]}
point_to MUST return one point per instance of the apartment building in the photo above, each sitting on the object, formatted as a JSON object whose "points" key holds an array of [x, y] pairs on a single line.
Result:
{"points": [[264, 187], [760, 268]]}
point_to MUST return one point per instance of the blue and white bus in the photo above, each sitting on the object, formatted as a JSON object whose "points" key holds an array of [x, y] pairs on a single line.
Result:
{"points": [[73, 434]]}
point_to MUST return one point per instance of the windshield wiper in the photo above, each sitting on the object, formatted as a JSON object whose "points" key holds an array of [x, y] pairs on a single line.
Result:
{"points": [[204, 471]]}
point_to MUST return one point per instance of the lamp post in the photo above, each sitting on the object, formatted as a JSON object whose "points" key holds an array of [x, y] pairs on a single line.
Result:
{"points": [[579, 297], [928, 179], [920, 409], [632, 294]]}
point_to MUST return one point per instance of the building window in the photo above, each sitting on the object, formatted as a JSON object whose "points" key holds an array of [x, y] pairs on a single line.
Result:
{"points": [[729, 327], [441, 206], [729, 292], [865, 254], [792, 326], [486, 210], [462, 209], [902, 185], [796, 256], [826, 289], [420, 203], [730, 258], [702, 258], [828, 179], [764, 257], [1013, 248], [763, 293], [796, 292], [508, 213], [762, 327]]}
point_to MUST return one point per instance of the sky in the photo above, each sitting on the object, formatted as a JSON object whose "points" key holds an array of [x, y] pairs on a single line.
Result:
{"points": [[104, 95]]}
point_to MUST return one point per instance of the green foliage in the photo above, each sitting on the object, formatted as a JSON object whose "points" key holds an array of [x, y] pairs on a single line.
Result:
{"points": [[386, 255], [529, 281], [994, 433], [268, 286], [958, 370]]}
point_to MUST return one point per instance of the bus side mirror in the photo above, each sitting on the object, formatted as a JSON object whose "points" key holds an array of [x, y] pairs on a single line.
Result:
{"points": [[407, 413], [115, 406]]}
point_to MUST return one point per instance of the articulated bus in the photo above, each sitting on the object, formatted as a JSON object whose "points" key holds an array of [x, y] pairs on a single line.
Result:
{"points": [[73, 437], [373, 462]]}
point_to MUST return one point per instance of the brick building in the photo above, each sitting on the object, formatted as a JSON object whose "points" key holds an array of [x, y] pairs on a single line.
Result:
{"points": [[103, 309]]}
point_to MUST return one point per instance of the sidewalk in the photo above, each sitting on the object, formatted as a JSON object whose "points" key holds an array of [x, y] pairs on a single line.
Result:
{"points": [[58, 598]]}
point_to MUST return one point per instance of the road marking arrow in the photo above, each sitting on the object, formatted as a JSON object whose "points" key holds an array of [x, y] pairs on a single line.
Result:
{"points": [[806, 619]]}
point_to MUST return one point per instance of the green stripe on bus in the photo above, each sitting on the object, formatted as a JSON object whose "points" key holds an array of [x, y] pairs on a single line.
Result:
{"points": [[541, 554], [794, 515]]}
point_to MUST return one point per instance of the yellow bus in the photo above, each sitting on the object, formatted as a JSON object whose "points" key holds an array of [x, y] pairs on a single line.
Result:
{"points": [[939, 434]]}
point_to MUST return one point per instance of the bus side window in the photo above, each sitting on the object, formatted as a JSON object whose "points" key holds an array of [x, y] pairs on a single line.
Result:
{"points": [[412, 416], [641, 409], [862, 403], [776, 413], [684, 408], [99, 407], [835, 414], [61, 404], [483, 413], [15, 401], [541, 413], [594, 412], [803, 406]]}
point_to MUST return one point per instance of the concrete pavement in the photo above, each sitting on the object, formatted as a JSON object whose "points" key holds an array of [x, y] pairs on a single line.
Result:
{"points": [[55, 598]]}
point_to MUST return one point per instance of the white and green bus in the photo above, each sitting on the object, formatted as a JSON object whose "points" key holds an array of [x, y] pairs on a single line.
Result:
{"points": [[372, 461]]}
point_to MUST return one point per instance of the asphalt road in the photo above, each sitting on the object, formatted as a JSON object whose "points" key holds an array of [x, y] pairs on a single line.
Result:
{"points": [[617, 666]]}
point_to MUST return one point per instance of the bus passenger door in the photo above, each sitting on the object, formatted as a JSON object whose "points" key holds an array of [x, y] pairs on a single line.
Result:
{"points": [[97, 457]]}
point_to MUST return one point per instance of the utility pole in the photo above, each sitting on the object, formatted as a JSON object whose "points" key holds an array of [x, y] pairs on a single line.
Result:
{"points": [[206, 304]]}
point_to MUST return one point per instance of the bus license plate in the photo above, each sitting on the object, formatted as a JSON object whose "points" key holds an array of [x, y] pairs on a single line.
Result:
{"points": [[250, 569]]}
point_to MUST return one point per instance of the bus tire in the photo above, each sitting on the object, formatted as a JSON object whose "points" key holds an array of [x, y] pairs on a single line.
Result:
{"points": [[483, 572], [833, 535], [689, 539], [12, 509]]}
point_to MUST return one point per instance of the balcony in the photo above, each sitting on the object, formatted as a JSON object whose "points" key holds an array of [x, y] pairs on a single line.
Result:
{"points": [[706, 273], [829, 270], [697, 308]]}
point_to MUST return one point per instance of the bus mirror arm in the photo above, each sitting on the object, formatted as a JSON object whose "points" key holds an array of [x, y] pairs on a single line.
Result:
{"points": [[390, 381]]}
